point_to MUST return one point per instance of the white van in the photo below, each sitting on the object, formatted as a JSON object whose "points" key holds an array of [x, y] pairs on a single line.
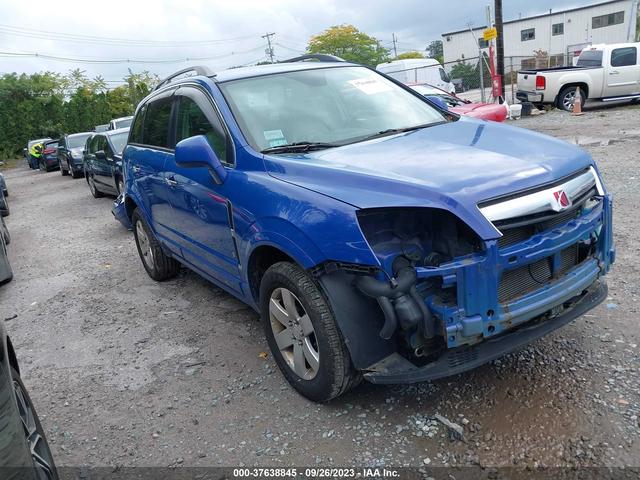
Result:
{"points": [[418, 70]]}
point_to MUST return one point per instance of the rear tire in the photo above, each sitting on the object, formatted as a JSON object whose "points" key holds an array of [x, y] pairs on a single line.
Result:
{"points": [[566, 96], [310, 350], [64, 172], [158, 265]]}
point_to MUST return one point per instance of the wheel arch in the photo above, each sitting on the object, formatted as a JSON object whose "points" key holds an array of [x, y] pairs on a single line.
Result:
{"points": [[584, 89]]}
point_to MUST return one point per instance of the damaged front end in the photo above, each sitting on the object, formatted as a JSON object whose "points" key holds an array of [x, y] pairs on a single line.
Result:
{"points": [[443, 300]]}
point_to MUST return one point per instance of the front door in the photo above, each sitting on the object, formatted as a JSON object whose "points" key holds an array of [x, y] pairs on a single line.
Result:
{"points": [[623, 77], [201, 208]]}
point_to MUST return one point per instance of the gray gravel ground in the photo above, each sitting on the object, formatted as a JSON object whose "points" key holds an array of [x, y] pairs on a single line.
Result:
{"points": [[128, 372]]}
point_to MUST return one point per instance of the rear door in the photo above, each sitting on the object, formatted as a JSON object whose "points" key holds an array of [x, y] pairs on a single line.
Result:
{"points": [[623, 77], [100, 166], [151, 144], [201, 208]]}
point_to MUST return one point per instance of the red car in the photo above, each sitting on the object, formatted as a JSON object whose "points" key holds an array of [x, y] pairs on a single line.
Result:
{"points": [[486, 111]]}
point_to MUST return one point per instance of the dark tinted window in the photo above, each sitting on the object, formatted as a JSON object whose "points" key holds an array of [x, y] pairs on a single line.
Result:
{"points": [[156, 123], [590, 58], [136, 128], [528, 34], [623, 57], [607, 20], [558, 29], [192, 121]]}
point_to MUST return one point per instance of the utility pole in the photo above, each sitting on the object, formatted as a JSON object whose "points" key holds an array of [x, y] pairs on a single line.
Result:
{"points": [[499, 42], [395, 50], [269, 50]]}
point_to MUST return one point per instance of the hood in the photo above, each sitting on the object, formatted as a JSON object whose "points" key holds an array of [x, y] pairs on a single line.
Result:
{"points": [[77, 150], [453, 166]]}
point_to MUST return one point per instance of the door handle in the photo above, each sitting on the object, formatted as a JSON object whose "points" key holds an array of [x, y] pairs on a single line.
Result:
{"points": [[172, 182], [614, 72]]}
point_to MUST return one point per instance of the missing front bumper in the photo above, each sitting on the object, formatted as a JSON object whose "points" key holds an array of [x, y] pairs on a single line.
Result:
{"points": [[397, 369]]}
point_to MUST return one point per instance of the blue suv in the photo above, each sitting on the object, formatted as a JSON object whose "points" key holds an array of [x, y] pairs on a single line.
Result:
{"points": [[378, 235]]}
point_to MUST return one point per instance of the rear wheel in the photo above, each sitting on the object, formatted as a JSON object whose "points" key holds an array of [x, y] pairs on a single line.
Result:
{"points": [[302, 334], [33, 431], [567, 97], [158, 265]]}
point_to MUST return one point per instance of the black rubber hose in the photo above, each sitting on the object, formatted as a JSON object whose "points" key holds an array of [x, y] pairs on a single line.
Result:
{"points": [[405, 278], [390, 319], [427, 318]]}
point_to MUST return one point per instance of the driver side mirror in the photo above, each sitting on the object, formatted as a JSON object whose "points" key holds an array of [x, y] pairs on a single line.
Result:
{"points": [[100, 155], [195, 152]]}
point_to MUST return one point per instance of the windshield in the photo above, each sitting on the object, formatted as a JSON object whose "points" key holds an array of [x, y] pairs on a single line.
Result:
{"points": [[79, 140], [590, 58], [119, 140], [329, 105], [123, 123]]}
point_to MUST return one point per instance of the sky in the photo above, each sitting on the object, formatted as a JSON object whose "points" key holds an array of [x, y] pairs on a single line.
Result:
{"points": [[174, 34]]}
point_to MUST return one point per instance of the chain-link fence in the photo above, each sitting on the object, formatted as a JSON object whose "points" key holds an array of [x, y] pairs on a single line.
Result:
{"points": [[470, 78]]}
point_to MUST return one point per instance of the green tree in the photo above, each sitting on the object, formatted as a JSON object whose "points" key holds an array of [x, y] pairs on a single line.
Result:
{"points": [[349, 43], [435, 50], [408, 55]]}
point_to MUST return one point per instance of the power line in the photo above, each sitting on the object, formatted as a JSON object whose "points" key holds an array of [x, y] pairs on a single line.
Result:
{"points": [[117, 61], [68, 37]]}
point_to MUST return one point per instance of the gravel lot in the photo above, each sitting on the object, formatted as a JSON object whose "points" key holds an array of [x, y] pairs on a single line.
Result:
{"points": [[128, 372]]}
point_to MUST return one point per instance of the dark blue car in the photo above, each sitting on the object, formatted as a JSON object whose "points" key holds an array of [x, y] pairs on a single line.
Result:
{"points": [[103, 162], [377, 235]]}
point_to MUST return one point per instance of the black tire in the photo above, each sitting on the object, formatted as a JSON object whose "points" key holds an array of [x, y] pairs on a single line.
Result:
{"points": [[335, 374], [39, 446], [562, 101], [75, 174], [158, 265], [93, 188], [64, 172]]}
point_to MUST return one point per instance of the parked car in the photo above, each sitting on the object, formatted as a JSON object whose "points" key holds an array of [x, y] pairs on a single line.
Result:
{"points": [[3, 185], [485, 111], [4, 205], [418, 70], [101, 128], [603, 72], [6, 273], [24, 452], [70, 148], [103, 162], [122, 122], [49, 159], [32, 160], [378, 236]]}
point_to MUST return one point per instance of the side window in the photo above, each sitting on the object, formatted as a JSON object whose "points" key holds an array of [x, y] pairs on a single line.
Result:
{"points": [[136, 128], [192, 121], [623, 57], [156, 123]]}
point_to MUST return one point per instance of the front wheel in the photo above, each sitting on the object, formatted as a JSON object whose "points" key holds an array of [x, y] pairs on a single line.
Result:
{"points": [[567, 97], [158, 264], [34, 433], [92, 186], [303, 335]]}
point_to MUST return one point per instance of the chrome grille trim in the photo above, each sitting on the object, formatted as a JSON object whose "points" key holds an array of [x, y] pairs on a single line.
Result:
{"points": [[543, 200]]}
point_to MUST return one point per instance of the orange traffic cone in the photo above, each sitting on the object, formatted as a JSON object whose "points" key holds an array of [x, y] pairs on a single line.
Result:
{"points": [[577, 103]]}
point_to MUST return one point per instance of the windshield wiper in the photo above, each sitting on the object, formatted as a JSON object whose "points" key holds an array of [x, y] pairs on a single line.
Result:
{"points": [[392, 131], [299, 147]]}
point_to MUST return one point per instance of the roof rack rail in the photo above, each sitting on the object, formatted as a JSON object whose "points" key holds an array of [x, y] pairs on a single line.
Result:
{"points": [[199, 69], [320, 57]]}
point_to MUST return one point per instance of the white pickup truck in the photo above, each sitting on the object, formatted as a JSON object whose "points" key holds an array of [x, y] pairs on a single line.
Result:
{"points": [[603, 72]]}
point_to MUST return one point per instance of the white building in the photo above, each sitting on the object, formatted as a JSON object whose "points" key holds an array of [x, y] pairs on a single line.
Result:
{"points": [[562, 34]]}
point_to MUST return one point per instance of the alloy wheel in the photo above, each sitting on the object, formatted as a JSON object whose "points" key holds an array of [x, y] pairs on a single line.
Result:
{"points": [[568, 100], [145, 246], [294, 333], [40, 453]]}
